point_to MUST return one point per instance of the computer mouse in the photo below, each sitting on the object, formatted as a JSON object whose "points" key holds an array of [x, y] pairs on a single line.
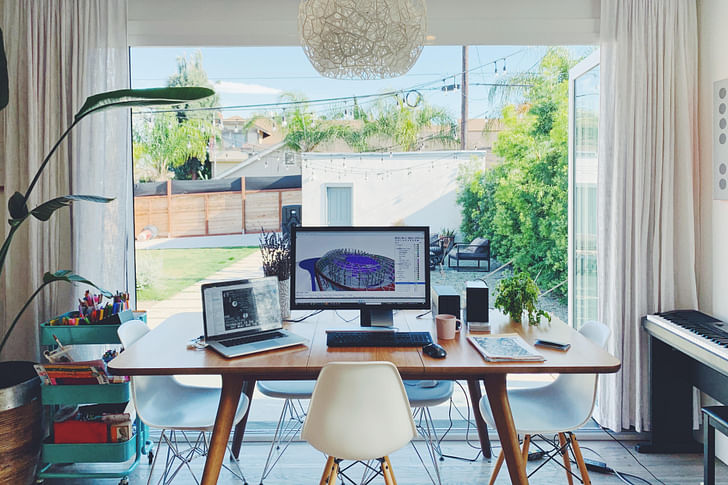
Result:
{"points": [[435, 351]]}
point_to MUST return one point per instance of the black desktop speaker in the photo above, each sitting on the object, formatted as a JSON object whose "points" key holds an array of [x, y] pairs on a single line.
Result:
{"points": [[445, 300], [476, 301]]}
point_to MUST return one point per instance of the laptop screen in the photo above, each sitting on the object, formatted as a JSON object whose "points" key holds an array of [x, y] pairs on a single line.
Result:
{"points": [[241, 306]]}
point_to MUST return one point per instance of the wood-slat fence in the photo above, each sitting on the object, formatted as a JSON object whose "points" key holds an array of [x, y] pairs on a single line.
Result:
{"points": [[213, 213]]}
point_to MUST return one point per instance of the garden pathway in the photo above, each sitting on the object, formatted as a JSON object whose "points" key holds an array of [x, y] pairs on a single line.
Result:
{"points": [[190, 299]]}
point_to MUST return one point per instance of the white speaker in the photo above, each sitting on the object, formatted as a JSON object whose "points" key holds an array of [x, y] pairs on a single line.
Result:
{"points": [[720, 140]]}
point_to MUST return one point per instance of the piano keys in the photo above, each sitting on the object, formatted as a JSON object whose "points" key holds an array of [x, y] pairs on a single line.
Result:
{"points": [[687, 349]]}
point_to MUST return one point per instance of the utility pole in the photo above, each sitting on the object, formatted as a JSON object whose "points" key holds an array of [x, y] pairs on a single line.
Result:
{"points": [[464, 101]]}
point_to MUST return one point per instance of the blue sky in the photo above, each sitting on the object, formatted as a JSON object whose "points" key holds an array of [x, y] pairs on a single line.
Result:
{"points": [[258, 75]]}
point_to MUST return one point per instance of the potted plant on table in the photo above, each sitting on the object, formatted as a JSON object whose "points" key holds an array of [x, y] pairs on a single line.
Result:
{"points": [[20, 410], [276, 251], [519, 294]]}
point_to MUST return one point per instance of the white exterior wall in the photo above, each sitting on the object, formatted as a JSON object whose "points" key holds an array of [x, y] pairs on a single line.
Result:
{"points": [[402, 188]]}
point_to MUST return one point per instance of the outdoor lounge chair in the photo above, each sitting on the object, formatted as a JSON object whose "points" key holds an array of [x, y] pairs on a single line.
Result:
{"points": [[478, 250]]}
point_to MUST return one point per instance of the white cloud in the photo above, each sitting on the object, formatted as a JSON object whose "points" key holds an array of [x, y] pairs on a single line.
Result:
{"points": [[243, 88]]}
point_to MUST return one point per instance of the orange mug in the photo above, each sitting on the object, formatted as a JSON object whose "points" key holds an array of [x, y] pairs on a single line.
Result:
{"points": [[447, 325]]}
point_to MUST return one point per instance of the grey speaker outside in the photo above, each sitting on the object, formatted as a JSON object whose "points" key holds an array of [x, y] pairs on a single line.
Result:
{"points": [[720, 140]]}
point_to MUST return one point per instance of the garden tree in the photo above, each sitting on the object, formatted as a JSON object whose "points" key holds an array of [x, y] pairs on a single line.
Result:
{"points": [[304, 129], [191, 73], [398, 124], [176, 144], [390, 125], [162, 143], [521, 204]]}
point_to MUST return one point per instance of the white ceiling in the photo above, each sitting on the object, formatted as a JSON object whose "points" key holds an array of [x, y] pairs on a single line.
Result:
{"points": [[273, 22]]}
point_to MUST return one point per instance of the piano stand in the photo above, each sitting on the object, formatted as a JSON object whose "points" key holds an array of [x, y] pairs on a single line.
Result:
{"points": [[672, 377]]}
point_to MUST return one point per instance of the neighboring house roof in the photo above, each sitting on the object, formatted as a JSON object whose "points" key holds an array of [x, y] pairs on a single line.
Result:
{"points": [[234, 172]]}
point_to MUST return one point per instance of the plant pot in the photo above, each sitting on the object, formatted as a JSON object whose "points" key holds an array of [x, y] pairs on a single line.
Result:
{"points": [[20, 422], [284, 294]]}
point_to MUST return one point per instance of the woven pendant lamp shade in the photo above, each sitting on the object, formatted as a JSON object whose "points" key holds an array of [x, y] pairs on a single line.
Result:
{"points": [[362, 39]]}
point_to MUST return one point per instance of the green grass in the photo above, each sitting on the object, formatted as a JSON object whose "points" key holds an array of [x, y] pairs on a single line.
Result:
{"points": [[162, 273]]}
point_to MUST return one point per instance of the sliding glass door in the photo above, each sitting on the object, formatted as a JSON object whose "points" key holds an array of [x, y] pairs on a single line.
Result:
{"points": [[583, 162]]}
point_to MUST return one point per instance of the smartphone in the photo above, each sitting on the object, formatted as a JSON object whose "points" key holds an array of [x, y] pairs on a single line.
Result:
{"points": [[552, 345]]}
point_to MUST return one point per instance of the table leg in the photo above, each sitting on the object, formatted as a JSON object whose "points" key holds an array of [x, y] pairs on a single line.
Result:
{"points": [[229, 399], [475, 396], [495, 387], [248, 388]]}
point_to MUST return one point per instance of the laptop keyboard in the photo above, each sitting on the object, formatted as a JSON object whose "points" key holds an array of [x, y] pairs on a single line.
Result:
{"points": [[251, 338], [378, 339]]}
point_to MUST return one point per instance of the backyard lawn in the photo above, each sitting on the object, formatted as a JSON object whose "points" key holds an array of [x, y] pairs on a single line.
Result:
{"points": [[162, 273]]}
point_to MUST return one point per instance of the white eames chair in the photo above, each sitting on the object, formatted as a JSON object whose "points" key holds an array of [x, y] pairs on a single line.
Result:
{"points": [[558, 408], [164, 403], [359, 411]]}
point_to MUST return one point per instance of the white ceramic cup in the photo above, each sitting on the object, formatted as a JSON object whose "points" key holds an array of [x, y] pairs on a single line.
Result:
{"points": [[447, 326]]}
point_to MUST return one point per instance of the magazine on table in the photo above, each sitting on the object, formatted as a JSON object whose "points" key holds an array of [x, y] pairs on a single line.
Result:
{"points": [[507, 347]]}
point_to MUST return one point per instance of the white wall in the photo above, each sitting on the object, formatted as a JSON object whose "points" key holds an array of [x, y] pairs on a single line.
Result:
{"points": [[713, 250], [404, 188], [274, 22]]}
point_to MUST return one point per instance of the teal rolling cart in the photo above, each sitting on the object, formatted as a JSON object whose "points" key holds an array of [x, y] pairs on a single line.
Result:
{"points": [[52, 453]]}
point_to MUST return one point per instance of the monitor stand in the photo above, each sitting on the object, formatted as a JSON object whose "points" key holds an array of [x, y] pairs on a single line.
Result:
{"points": [[372, 317]]}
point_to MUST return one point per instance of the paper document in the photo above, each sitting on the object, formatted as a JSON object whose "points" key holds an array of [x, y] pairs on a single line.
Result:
{"points": [[505, 348]]}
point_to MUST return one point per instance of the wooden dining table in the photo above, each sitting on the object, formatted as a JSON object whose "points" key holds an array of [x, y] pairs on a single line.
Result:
{"points": [[165, 351]]}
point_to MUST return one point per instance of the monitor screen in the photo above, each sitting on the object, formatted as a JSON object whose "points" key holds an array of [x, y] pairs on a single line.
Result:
{"points": [[356, 267]]}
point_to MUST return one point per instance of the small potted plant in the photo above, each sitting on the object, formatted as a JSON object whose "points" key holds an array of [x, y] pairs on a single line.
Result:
{"points": [[518, 294], [448, 237], [276, 251]]}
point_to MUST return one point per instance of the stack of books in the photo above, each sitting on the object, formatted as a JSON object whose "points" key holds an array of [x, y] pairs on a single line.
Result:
{"points": [[77, 373], [505, 348], [97, 423]]}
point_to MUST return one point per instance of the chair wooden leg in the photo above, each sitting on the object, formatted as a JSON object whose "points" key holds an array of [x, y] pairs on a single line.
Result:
{"points": [[565, 457], [387, 471], [391, 470], [496, 468], [580, 460], [326, 476], [526, 445]]}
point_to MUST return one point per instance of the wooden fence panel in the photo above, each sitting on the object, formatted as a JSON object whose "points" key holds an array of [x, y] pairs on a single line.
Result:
{"points": [[188, 215], [261, 210], [223, 213], [151, 211], [213, 212], [291, 197]]}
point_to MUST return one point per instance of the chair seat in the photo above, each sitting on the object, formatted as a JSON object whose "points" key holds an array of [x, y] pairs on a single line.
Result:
{"points": [[428, 393], [185, 408], [541, 410], [287, 389]]}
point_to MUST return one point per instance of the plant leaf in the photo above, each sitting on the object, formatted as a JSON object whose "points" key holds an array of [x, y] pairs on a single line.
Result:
{"points": [[70, 277], [142, 97], [44, 211], [17, 207]]}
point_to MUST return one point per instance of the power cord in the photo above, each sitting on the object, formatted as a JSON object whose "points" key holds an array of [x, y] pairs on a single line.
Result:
{"points": [[289, 320], [631, 454], [423, 314], [344, 319]]}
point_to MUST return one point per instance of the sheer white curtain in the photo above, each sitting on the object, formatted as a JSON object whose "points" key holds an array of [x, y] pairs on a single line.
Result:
{"points": [[59, 53], [647, 192]]}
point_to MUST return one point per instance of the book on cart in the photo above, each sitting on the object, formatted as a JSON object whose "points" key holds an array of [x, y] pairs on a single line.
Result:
{"points": [[509, 347]]}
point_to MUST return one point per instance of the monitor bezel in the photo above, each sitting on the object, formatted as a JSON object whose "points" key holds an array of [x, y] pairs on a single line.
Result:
{"points": [[351, 305]]}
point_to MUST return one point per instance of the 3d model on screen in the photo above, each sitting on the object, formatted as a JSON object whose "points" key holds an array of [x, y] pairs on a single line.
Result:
{"points": [[350, 270]]}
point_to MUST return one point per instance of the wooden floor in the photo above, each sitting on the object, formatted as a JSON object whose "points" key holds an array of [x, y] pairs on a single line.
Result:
{"points": [[301, 464]]}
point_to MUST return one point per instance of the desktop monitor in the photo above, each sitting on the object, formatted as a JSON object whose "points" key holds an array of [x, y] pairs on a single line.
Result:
{"points": [[372, 269]]}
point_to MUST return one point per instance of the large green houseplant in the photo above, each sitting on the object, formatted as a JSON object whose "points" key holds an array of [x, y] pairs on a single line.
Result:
{"points": [[20, 429], [518, 295]]}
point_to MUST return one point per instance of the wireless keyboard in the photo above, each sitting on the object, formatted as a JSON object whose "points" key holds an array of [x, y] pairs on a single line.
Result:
{"points": [[378, 339]]}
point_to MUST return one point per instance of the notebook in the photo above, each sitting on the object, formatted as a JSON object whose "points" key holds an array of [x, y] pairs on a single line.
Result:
{"points": [[243, 317], [509, 347]]}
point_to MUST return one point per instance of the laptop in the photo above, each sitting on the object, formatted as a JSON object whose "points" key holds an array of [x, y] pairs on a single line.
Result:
{"points": [[243, 317]]}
